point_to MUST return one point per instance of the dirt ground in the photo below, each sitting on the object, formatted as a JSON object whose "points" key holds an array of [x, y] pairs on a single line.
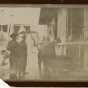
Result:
{"points": [[52, 70]]}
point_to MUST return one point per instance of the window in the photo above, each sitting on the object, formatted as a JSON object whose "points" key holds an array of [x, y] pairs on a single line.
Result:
{"points": [[5, 28]]}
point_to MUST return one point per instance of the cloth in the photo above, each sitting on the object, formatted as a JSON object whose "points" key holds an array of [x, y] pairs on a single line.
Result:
{"points": [[32, 58], [18, 56]]}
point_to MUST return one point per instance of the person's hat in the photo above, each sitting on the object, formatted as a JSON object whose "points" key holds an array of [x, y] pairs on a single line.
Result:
{"points": [[22, 30]]}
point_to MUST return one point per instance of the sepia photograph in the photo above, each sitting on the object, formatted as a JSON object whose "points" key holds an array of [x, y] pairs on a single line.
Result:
{"points": [[44, 42]]}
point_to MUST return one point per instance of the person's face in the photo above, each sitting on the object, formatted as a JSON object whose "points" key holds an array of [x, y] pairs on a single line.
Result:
{"points": [[19, 39], [28, 31]]}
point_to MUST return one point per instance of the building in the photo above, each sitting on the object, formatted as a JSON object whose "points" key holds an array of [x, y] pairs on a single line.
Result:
{"points": [[49, 17], [71, 26], [64, 22]]}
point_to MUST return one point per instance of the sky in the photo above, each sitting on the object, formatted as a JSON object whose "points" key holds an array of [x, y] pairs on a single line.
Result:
{"points": [[19, 15]]}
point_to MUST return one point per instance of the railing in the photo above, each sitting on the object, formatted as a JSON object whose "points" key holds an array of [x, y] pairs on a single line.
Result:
{"points": [[75, 50]]}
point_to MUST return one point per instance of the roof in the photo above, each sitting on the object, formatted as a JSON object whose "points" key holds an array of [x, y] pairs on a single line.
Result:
{"points": [[46, 15]]}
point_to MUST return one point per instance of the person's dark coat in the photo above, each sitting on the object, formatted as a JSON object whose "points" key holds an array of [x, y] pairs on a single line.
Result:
{"points": [[18, 55]]}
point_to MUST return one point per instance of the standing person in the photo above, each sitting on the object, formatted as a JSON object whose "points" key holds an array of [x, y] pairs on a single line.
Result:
{"points": [[21, 54], [17, 48], [35, 68], [29, 43], [46, 54], [31, 69], [12, 57]]}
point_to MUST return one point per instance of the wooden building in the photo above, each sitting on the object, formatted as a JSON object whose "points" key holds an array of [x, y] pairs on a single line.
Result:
{"points": [[71, 26]]}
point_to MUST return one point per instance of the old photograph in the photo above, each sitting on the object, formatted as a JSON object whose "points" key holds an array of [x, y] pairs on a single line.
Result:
{"points": [[44, 42]]}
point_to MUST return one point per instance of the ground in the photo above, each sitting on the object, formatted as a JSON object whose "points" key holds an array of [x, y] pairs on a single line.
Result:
{"points": [[57, 69]]}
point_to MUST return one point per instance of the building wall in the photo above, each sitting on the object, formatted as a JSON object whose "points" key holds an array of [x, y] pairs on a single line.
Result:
{"points": [[75, 23], [4, 36], [85, 28], [61, 28], [61, 24], [52, 28]]}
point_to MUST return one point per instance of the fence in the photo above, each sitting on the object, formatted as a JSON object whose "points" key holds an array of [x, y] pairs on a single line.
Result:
{"points": [[78, 51]]}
